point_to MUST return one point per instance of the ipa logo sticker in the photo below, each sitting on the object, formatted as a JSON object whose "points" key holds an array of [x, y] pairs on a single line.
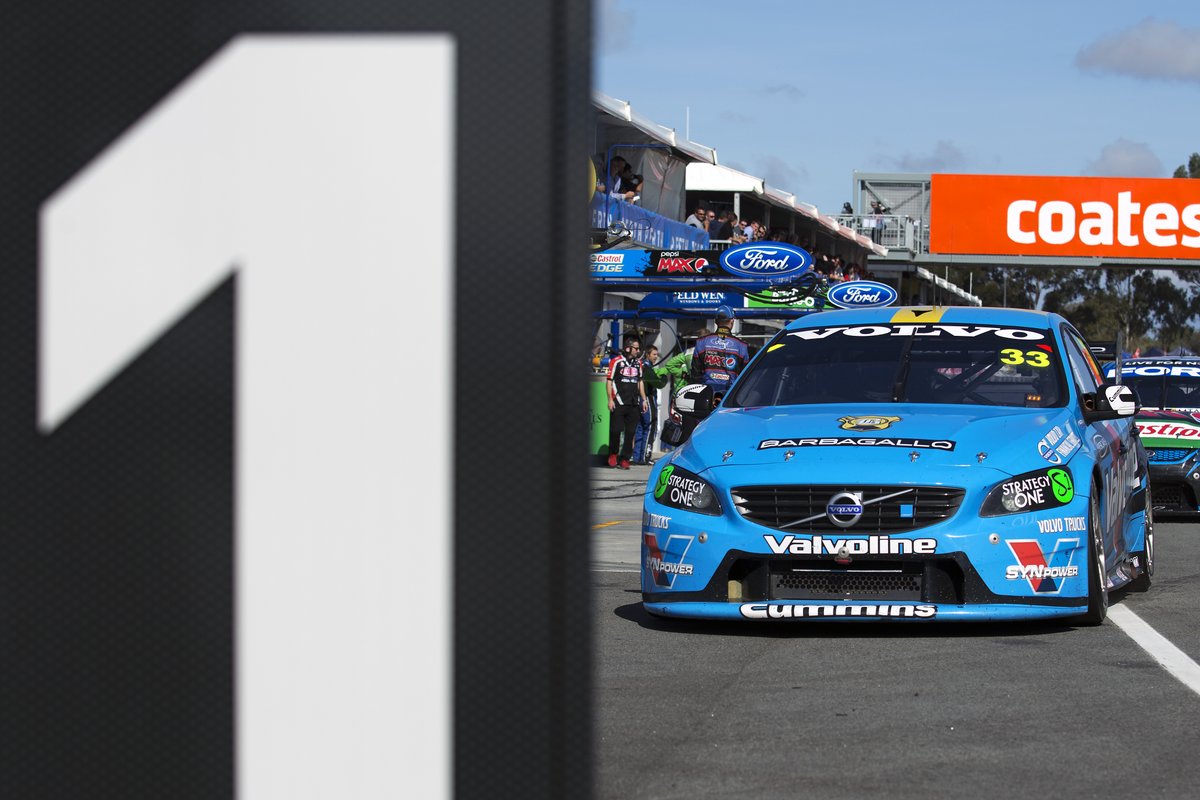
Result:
{"points": [[866, 423]]}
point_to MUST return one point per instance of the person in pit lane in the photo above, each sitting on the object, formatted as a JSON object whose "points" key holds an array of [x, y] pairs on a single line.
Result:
{"points": [[719, 357], [626, 401], [717, 360]]}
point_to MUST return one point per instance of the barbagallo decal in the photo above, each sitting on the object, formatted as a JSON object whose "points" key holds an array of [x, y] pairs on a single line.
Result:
{"points": [[858, 441]]}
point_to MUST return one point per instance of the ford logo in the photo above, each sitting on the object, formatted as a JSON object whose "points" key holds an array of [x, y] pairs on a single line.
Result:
{"points": [[862, 294], [765, 260]]}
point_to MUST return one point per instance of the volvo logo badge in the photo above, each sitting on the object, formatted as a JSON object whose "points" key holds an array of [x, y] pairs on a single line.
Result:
{"points": [[844, 509]]}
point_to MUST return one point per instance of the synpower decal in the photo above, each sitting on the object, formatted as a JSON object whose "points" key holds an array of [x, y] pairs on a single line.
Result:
{"points": [[1044, 575]]}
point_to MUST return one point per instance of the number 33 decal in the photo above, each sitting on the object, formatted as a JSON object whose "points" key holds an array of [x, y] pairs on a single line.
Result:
{"points": [[1034, 358]]}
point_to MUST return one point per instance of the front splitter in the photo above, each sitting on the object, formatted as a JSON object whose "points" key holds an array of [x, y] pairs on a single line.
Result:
{"points": [[859, 611]]}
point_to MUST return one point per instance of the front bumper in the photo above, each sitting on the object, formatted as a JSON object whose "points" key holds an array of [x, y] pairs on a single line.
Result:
{"points": [[1175, 485], [859, 611], [946, 581]]}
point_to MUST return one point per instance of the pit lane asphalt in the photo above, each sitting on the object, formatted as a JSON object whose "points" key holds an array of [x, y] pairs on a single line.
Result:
{"points": [[718, 710]]}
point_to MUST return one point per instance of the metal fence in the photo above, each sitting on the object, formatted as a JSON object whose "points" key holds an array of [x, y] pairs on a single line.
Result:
{"points": [[892, 231]]}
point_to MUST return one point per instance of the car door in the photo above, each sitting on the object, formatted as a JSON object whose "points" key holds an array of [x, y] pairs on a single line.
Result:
{"points": [[1116, 450]]}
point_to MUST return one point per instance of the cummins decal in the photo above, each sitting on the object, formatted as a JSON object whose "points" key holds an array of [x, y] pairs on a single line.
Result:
{"points": [[859, 441], [867, 611]]}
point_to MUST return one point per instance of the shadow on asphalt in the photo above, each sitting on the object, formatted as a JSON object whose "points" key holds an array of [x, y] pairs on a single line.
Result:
{"points": [[812, 629]]}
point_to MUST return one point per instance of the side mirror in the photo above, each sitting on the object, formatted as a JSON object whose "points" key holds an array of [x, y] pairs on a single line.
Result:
{"points": [[1111, 401], [695, 400], [672, 433]]}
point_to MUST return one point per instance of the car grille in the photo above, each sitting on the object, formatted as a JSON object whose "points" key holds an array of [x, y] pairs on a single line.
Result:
{"points": [[1168, 455], [1172, 496], [826, 584], [781, 507]]}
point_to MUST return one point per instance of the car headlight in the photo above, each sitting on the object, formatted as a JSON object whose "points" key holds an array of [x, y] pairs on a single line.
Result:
{"points": [[1038, 490], [679, 488]]}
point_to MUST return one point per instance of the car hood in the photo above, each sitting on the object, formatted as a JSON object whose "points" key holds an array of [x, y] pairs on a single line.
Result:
{"points": [[878, 440]]}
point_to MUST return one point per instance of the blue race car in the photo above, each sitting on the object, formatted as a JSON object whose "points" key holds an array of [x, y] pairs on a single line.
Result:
{"points": [[915, 464]]}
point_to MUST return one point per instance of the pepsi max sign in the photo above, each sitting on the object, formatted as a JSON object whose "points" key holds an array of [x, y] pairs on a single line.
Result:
{"points": [[765, 260], [861, 294]]}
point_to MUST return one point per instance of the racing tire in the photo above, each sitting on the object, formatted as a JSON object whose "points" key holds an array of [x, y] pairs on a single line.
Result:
{"points": [[1145, 556], [1097, 566]]}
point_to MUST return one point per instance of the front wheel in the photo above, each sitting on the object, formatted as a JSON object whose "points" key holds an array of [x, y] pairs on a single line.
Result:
{"points": [[1097, 565]]}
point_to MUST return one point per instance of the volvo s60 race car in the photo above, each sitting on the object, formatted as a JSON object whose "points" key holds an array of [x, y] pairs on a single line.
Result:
{"points": [[1168, 389], [917, 464]]}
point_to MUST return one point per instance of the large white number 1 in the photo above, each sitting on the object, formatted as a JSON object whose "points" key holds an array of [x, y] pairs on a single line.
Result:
{"points": [[304, 163]]}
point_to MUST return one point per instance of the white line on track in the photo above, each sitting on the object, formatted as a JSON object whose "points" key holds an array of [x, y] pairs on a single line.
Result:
{"points": [[1172, 659]]}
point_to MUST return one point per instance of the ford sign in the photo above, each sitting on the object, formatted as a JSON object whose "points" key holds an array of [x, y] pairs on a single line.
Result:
{"points": [[765, 260], [862, 294]]}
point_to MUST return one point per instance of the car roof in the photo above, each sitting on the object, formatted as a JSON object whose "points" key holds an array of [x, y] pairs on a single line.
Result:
{"points": [[952, 315]]}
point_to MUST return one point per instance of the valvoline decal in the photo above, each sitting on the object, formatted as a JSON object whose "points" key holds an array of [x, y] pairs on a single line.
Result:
{"points": [[765, 260], [862, 294]]}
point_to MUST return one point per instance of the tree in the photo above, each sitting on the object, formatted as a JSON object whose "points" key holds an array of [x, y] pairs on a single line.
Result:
{"points": [[1191, 170]]}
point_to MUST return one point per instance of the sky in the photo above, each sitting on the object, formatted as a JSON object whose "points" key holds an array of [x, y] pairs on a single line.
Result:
{"points": [[803, 94]]}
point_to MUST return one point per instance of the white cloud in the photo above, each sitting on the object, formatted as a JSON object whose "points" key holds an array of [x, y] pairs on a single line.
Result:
{"points": [[1150, 49], [1124, 158], [780, 174], [785, 91], [946, 157], [613, 26]]}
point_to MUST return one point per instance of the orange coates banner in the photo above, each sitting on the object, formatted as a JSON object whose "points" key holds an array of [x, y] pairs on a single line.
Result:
{"points": [[1054, 216]]}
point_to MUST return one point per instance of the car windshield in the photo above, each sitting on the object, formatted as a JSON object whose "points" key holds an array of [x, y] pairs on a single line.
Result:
{"points": [[1164, 386], [904, 363]]}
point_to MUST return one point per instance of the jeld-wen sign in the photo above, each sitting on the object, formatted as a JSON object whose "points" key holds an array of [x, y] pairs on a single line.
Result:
{"points": [[1053, 216]]}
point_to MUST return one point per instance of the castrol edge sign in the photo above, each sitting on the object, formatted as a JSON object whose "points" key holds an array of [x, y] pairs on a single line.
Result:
{"points": [[1055, 216]]}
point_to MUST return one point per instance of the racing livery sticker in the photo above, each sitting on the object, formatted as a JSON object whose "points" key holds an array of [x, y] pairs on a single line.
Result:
{"points": [[931, 314], [1058, 446], [870, 546], [956, 331], [794, 611], [667, 564], [765, 260], [1038, 490], [1173, 368], [866, 423], [1061, 524], [1044, 575], [858, 441], [624, 263], [862, 294], [1173, 433], [680, 262], [659, 522]]}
